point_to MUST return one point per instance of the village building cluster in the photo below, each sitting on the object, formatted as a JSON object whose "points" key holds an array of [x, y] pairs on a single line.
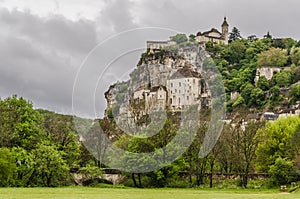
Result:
{"points": [[184, 88], [213, 35]]}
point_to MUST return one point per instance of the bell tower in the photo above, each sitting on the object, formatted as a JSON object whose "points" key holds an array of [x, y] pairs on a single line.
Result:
{"points": [[225, 31]]}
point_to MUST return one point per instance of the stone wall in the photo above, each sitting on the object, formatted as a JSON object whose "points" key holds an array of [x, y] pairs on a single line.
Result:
{"points": [[267, 72]]}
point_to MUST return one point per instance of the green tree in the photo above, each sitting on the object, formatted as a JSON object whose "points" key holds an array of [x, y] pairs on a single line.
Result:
{"points": [[234, 34], [274, 93], [263, 83], [273, 57], [244, 142], [278, 43], [20, 124], [289, 43], [192, 38], [50, 169], [282, 172], [179, 38], [283, 79], [295, 55], [24, 167], [294, 93], [252, 38], [90, 172], [278, 141], [238, 102], [246, 91], [285, 43], [237, 50], [62, 132], [295, 74], [7, 167]]}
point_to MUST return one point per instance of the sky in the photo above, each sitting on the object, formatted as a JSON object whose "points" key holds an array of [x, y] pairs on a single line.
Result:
{"points": [[63, 55]]}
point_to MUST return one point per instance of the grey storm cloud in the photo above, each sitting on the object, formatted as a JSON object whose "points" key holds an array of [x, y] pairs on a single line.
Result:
{"points": [[41, 55], [251, 17]]}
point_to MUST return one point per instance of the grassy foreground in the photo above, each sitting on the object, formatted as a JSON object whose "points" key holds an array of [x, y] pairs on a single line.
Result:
{"points": [[130, 193]]}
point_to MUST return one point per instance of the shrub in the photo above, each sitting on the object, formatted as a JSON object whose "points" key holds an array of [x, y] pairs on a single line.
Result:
{"points": [[282, 172], [7, 167]]}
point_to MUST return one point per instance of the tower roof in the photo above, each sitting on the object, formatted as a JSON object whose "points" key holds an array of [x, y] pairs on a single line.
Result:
{"points": [[225, 22]]}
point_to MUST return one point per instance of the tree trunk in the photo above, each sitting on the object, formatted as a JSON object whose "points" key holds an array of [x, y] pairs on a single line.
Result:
{"points": [[246, 175], [133, 179], [140, 181], [200, 172], [191, 170], [211, 174]]}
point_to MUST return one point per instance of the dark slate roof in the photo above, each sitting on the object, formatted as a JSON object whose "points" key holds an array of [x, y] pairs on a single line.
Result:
{"points": [[212, 30], [185, 73], [155, 88], [207, 32]]}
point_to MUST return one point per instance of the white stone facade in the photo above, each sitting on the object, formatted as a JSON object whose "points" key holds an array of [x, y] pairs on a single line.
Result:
{"points": [[214, 35], [267, 72], [182, 89], [183, 92]]}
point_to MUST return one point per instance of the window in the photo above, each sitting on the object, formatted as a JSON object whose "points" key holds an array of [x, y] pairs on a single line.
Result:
{"points": [[179, 100], [187, 97], [171, 84], [170, 100], [175, 90], [179, 84]]}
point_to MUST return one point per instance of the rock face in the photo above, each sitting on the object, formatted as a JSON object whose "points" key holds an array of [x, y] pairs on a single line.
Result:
{"points": [[167, 79]]}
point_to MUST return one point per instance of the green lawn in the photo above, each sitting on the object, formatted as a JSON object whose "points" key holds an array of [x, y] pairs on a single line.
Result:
{"points": [[129, 193]]}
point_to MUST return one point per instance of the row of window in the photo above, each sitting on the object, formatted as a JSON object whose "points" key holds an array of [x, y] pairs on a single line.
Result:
{"points": [[187, 98], [179, 84]]}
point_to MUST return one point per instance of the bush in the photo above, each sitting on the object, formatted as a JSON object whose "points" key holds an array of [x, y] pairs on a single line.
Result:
{"points": [[7, 167], [50, 170], [178, 183], [180, 38], [282, 172]]}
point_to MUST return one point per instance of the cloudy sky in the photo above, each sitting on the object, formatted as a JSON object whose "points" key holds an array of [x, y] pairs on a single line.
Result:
{"points": [[52, 50]]}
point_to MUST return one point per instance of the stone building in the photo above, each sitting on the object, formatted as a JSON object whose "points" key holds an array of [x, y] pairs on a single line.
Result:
{"points": [[159, 44], [267, 72], [153, 97], [184, 88], [214, 35]]}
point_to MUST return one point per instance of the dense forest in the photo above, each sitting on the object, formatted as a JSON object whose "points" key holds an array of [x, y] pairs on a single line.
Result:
{"points": [[42, 148], [239, 61]]}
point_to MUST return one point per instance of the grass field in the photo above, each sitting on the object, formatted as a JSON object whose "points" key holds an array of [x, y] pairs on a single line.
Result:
{"points": [[130, 193]]}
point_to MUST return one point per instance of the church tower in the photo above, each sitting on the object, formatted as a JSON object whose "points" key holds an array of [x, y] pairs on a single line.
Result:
{"points": [[225, 32]]}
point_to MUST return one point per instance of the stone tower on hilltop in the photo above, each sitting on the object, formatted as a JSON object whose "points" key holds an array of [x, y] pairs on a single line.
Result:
{"points": [[214, 35], [225, 33]]}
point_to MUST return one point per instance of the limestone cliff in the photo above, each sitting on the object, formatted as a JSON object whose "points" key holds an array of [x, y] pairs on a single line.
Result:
{"points": [[147, 90]]}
